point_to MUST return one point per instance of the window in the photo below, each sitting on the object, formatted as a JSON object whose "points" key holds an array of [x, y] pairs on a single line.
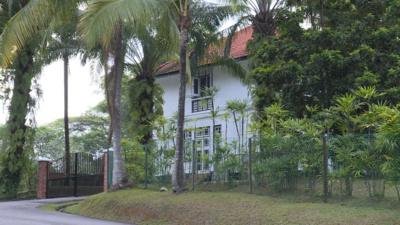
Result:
{"points": [[187, 135], [199, 160], [206, 143], [206, 131], [203, 155], [203, 142], [202, 132], [206, 156], [217, 129], [201, 81], [196, 87], [203, 104]]}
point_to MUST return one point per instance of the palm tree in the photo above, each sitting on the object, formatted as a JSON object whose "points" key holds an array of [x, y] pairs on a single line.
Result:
{"points": [[50, 18], [238, 107], [261, 13], [62, 44], [198, 24], [149, 48], [31, 18], [24, 67], [183, 23], [104, 23]]}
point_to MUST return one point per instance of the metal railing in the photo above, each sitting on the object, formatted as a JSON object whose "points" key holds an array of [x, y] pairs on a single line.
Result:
{"points": [[201, 104]]}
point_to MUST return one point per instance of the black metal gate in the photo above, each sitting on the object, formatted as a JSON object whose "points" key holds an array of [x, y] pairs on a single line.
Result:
{"points": [[85, 176]]}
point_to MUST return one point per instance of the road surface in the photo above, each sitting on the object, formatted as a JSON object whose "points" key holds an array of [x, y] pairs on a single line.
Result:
{"points": [[27, 213]]}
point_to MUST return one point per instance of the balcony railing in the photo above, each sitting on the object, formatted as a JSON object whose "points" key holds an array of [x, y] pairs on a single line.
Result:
{"points": [[201, 104]]}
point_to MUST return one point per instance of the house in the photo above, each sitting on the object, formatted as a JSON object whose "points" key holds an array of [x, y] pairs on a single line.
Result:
{"points": [[199, 104]]}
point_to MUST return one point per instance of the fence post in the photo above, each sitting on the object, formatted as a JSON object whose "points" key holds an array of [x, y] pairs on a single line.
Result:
{"points": [[250, 166], [325, 165], [193, 163], [42, 181], [76, 175], [145, 167], [105, 171]]}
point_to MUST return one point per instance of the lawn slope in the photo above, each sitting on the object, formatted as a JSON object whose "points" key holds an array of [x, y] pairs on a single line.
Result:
{"points": [[200, 208]]}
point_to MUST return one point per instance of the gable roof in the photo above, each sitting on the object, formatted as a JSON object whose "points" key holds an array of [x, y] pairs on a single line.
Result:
{"points": [[238, 50]]}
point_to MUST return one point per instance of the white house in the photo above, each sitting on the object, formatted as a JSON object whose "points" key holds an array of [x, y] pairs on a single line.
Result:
{"points": [[198, 119]]}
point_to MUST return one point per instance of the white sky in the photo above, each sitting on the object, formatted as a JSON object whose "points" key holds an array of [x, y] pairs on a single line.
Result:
{"points": [[84, 92]]}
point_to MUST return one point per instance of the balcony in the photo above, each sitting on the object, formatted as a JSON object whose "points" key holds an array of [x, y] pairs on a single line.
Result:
{"points": [[201, 104]]}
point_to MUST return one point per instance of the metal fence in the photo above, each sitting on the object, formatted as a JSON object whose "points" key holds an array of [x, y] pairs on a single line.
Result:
{"points": [[84, 176], [331, 165]]}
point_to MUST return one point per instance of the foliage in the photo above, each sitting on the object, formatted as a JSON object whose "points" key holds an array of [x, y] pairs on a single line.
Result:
{"points": [[388, 139], [104, 23], [239, 110], [88, 134], [17, 151], [288, 148], [150, 50], [355, 47]]}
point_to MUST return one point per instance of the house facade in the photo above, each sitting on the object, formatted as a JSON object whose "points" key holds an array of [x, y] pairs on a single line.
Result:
{"points": [[206, 112]]}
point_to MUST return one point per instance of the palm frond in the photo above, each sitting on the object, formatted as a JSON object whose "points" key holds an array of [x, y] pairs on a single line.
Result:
{"points": [[231, 31], [102, 16], [232, 66], [22, 27]]}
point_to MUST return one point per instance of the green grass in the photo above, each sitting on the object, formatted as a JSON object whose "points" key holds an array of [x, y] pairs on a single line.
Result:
{"points": [[60, 206], [155, 208]]}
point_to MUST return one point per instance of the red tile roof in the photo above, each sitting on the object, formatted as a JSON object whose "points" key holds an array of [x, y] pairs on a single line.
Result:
{"points": [[238, 50], [239, 42]]}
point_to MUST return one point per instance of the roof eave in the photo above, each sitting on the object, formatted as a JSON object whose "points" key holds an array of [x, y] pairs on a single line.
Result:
{"points": [[241, 58]]}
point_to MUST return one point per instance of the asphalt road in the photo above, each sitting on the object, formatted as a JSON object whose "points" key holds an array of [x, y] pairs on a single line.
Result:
{"points": [[27, 213]]}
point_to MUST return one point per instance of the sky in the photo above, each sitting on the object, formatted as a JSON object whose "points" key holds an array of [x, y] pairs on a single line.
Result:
{"points": [[84, 91]]}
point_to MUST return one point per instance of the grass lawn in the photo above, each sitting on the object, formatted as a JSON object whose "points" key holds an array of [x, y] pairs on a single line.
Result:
{"points": [[60, 206], [155, 208]]}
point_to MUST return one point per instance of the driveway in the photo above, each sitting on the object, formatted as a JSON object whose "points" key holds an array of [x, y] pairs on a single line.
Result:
{"points": [[27, 213]]}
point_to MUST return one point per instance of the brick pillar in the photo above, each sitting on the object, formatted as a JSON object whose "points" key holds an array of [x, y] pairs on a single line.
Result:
{"points": [[105, 171], [42, 181]]}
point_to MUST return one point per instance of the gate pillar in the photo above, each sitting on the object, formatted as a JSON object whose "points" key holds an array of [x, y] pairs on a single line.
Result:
{"points": [[42, 181]]}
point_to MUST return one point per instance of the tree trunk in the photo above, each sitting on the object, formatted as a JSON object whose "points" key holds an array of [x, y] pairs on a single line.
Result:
{"points": [[264, 24], [226, 131], [237, 130], [178, 177], [242, 128], [66, 118], [16, 156], [108, 94], [216, 162], [119, 173]]}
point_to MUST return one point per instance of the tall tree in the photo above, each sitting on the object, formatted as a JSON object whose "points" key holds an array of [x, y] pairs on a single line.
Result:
{"points": [[23, 69], [309, 67], [183, 12], [48, 17], [197, 22], [38, 14], [103, 22], [63, 43], [148, 50]]}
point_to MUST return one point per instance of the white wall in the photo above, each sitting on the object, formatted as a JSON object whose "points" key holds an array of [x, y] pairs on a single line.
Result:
{"points": [[229, 88]]}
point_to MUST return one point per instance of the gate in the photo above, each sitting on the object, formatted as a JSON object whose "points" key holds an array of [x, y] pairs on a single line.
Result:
{"points": [[85, 176]]}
